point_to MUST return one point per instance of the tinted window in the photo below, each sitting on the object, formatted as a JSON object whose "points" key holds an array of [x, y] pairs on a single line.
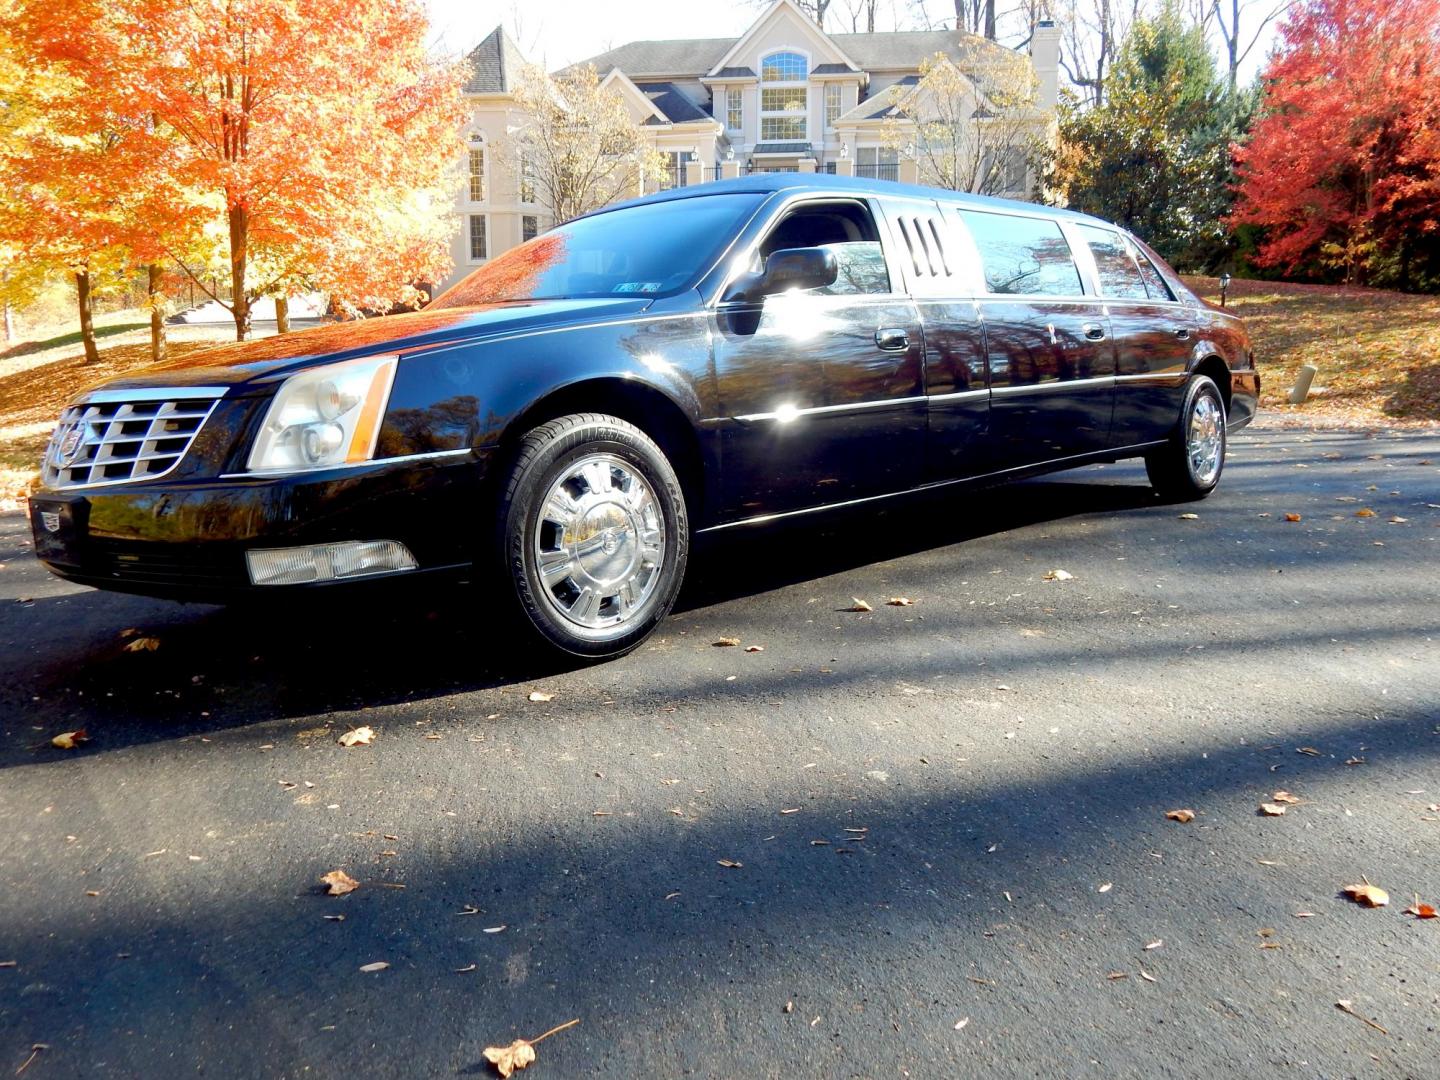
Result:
{"points": [[1119, 276], [861, 269], [1154, 284], [1023, 255], [642, 251]]}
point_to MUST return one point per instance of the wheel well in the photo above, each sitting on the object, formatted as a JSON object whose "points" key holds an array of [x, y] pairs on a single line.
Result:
{"points": [[1219, 373], [648, 409]]}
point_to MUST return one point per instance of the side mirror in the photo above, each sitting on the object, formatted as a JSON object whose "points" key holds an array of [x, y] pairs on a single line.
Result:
{"points": [[790, 268]]}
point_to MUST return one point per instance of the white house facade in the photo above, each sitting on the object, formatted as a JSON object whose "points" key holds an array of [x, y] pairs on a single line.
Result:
{"points": [[783, 97]]}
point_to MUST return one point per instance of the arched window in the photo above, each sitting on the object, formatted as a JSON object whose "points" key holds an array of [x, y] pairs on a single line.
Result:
{"points": [[784, 97], [477, 167]]}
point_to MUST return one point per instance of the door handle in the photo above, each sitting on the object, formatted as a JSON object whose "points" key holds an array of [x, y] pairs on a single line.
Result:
{"points": [[1094, 331], [892, 339], [1183, 333]]}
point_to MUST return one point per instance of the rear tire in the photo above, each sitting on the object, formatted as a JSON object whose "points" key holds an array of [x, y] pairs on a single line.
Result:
{"points": [[594, 534], [1189, 465]]}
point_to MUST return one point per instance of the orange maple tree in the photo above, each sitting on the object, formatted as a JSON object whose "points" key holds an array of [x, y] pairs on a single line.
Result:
{"points": [[310, 141]]}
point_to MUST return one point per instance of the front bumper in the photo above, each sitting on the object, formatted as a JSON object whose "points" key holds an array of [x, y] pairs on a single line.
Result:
{"points": [[186, 539]]}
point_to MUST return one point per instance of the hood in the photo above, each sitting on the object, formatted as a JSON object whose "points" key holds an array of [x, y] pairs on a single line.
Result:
{"points": [[249, 362]]}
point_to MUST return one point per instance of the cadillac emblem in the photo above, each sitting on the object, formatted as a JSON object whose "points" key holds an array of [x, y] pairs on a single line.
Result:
{"points": [[69, 448], [51, 520]]}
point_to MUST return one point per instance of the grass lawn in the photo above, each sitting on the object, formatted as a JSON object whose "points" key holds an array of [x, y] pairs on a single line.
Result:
{"points": [[1378, 354]]}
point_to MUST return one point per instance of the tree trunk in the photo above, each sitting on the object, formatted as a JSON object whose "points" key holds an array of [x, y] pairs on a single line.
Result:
{"points": [[282, 314], [87, 316], [239, 299], [9, 323], [157, 313], [990, 19]]}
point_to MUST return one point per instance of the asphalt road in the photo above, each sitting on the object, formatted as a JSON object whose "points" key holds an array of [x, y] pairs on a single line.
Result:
{"points": [[950, 817]]}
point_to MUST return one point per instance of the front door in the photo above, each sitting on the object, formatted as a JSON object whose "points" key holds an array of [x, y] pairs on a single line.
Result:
{"points": [[822, 391]]}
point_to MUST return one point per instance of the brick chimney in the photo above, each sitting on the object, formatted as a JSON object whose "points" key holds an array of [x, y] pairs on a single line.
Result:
{"points": [[1045, 55]]}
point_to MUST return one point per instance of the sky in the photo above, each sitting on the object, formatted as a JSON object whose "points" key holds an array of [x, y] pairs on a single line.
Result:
{"points": [[555, 33]]}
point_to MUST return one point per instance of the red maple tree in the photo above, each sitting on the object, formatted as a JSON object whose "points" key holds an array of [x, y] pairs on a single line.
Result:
{"points": [[1342, 170]]}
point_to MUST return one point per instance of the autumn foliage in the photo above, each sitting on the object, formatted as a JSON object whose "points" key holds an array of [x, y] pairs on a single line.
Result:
{"points": [[1342, 170], [296, 144]]}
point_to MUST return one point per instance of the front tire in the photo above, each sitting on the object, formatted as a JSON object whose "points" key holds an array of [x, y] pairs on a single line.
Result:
{"points": [[1189, 465], [594, 532]]}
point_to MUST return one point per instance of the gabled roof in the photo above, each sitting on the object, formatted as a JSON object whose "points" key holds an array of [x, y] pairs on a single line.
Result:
{"points": [[638, 59], [799, 19], [628, 89], [880, 105], [676, 107], [902, 50], [494, 64]]}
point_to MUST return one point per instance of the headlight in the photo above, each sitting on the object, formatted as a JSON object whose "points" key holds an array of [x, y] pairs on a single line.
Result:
{"points": [[326, 416]]}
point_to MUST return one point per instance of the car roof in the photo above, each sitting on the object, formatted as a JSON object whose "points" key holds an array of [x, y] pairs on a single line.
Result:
{"points": [[826, 184]]}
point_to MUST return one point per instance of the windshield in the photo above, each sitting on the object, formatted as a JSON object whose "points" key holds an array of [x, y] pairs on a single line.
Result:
{"points": [[638, 251]]}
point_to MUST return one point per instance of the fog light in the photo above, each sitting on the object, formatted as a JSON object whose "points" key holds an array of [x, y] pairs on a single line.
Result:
{"points": [[327, 562]]}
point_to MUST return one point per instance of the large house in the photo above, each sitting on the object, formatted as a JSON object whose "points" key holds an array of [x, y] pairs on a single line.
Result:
{"points": [[784, 96]]}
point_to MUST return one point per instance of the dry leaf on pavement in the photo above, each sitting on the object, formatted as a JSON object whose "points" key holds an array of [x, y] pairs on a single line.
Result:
{"points": [[1292, 517], [338, 883], [754, 648], [730, 864], [1366, 894], [1058, 575], [1189, 517], [1180, 815], [379, 965], [142, 644], [726, 642], [1419, 910], [1364, 511], [1270, 809], [69, 740], [360, 736], [900, 601], [540, 695], [1284, 797], [858, 605], [1345, 1006], [520, 1053]]}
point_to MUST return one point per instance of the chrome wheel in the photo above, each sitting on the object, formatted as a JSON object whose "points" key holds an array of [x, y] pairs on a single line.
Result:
{"points": [[1205, 440], [599, 543]]}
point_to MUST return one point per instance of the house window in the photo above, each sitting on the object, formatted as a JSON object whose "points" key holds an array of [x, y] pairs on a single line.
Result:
{"points": [[784, 98], [674, 174], [832, 104], [477, 171], [478, 248], [877, 163], [734, 109], [529, 227], [527, 180]]}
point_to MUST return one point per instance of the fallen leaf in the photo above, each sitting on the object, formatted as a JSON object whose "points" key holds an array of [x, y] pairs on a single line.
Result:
{"points": [[1117, 975], [333, 918], [1355, 761], [730, 864], [1106, 887], [142, 644], [1154, 944], [1147, 976], [379, 965], [1366, 894], [726, 642], [793, 810], [339, 883], [900, 601], [360, 736], [858, 605], [1292, 517], [1398, 520], [1284, 797], [69, 740], [789, 1007], [1304, 914], [1271, 809], [754, 648], [1347, 1007], [1058, 575], [493, 929], [1189, 517], [539, 695], [520, 1053], [960, 1024], [1364, 511], [467, 968], [470, 909], [1419, 910], [1180, 815], [1308, 751]]}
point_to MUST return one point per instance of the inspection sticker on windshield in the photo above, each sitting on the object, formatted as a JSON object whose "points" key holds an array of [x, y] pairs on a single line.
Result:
{"points": [[638, 286]]}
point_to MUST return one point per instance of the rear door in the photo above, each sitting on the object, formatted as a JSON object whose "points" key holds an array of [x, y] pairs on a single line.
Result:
{"points": [[939, 268], [1050, 360], [1153, 336]]}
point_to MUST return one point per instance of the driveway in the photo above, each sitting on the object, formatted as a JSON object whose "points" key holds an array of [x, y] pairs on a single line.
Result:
{"points": [[925, 840]]}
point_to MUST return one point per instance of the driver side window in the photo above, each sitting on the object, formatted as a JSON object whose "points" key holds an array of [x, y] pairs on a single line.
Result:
{"points": [[847, 230]]}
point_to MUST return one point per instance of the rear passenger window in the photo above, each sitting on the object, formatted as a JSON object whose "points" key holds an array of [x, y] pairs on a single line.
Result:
{"points": [[1023, 256], [1155, 284], [1119, 276]]}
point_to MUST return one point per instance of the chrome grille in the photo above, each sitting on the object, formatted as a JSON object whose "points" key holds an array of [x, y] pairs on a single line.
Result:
{"points": [[115, 436]]}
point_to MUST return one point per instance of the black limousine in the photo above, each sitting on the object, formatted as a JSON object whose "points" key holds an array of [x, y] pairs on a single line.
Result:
{"points": [[569, 414]]}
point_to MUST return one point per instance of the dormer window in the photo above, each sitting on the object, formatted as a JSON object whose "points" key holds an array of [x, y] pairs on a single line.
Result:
{"points": [[784, 97]]}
